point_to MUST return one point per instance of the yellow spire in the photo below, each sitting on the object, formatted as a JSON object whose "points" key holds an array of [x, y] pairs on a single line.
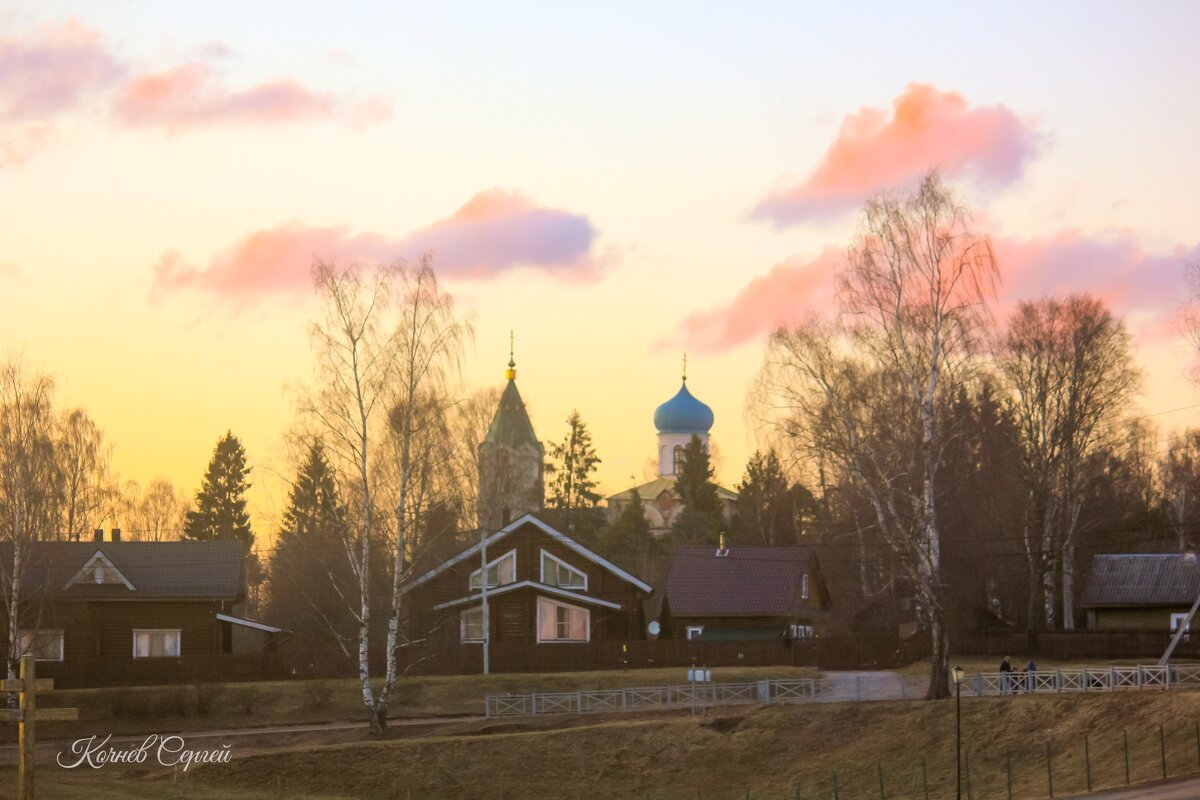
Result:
{"points": [[511, 372]]}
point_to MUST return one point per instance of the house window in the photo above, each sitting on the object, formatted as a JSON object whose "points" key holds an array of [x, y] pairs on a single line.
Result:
{"points": [[471, 624], [559, 573], [802, 632], [694, 631], [156, 644], [501, 571], [804, 587], [1177, 620], [559, 622], [678, 459], [42, 645]]}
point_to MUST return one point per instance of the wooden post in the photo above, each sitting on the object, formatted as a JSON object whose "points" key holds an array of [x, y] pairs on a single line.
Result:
{"points": [[27, 715], [924, 778], [1125, 739], [1087, 761], [1049, 771], [1162, 749], [27, 727], [1008, 769]]}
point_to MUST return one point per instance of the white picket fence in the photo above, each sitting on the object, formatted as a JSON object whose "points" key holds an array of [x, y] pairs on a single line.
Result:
{"points": [[833, 689], [1083, 679]]}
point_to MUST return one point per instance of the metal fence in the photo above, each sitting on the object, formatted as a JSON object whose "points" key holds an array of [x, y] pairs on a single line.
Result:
{"points": [[843, 688], [1083, 679]]}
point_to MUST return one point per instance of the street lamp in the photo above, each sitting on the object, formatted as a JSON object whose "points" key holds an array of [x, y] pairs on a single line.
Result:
{"points": [[958, 673]]}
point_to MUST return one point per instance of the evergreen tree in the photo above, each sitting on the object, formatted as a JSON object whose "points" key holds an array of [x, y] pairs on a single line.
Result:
{"points": [[310, 574], [769, 511], [628, 541], [701, 520], [666, 624], [220, 511], [573, 467]]}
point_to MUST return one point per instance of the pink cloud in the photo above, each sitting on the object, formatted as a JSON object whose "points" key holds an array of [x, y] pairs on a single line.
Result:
{"points": [[876, 150], [494, 232], [1145, 288], [792, 289], [50, 70], [190, 96]]}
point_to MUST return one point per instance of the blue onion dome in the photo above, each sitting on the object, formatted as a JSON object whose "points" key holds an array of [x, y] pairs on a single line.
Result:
{"points": [[683, 414]]}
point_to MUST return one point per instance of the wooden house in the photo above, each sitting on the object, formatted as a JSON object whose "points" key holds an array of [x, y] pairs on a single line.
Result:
{"points": [[1140, 591], [543, 588], [105, 612], [717, 593]]}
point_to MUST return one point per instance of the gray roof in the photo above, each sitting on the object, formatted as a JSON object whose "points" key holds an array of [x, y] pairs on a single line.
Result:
{"points": [[511, 425], [157, 570], [1157, 579]]}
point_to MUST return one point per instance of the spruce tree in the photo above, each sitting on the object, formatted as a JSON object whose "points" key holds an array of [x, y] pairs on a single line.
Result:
{"points": [[310, 574], [768, 509], [701, 519], [220, 511], [628, 541], [666, 624], [573, 467]]}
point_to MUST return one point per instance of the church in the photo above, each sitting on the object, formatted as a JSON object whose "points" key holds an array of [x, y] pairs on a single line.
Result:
{"points": [[512, 462], [677, 421]]}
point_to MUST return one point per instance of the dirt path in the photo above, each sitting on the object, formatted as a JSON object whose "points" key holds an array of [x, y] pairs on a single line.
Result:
{"points": [[1181, 790], [250, 740]]}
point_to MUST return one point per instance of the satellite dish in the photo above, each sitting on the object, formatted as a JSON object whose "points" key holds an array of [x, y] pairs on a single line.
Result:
{"points": [[654, 627]]}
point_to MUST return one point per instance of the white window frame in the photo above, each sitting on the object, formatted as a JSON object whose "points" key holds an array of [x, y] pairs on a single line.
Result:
{"points": [[150, 631], [462, 625], [1177, 620], [93, 570], [804, 586], [587, 616], [471, 580], [694, 632], [33, 635], [564, 565], [800, 631]]}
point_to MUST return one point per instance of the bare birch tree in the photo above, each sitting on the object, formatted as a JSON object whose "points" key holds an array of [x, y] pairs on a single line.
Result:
{"points": [[1071, 376], [85, 458], [388, 339], [1179, 471], [31, 488], [913, 294]]}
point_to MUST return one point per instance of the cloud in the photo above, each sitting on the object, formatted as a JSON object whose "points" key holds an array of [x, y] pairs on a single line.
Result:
{"points": [[495, 232], [792, 289], [190, 96], [877, 150], [52, 69], [1144, 287], [498, 230]]}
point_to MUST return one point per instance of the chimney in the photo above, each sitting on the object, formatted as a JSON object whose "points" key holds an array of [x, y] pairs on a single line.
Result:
{"points": [[116, 534], [1189, 553], [98, 535]]}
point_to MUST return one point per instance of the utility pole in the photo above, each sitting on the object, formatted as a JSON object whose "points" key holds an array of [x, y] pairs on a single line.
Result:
{"points": [[483, 584]]}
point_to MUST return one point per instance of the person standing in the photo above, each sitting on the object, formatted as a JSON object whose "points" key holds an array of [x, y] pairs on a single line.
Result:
{"points": [[1005, 675]]}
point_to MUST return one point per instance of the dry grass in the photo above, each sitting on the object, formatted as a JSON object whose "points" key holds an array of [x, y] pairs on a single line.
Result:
{"points": [[236, 705], [769, 751]]}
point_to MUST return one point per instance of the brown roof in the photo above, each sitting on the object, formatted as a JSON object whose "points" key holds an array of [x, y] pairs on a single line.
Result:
{"points": [[1158, 579], [746, 582], [157, 570]]}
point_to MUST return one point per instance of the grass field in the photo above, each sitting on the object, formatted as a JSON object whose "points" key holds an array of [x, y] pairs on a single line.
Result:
{"points": [[772, 752]]}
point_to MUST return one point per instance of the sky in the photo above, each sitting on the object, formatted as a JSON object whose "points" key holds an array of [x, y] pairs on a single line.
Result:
{"points": [[616, 183]]}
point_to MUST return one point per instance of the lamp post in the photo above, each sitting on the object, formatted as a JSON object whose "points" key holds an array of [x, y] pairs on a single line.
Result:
{"points": [[958, 673]]}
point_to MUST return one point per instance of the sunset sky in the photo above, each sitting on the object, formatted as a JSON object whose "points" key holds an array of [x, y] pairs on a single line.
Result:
{"points": [[617, 185]]}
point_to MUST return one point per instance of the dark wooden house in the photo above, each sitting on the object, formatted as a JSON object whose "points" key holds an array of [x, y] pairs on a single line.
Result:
{"points": [[1139, 591], [107, 612], [743, 593], [544, 590]]}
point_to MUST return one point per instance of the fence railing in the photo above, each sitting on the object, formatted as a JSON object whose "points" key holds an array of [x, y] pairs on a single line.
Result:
{"points": [[846, 688], [1083, 679]]}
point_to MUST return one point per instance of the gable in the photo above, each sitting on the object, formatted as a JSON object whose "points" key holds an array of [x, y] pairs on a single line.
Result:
{"points": [[563, 547], [99, 570]]}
